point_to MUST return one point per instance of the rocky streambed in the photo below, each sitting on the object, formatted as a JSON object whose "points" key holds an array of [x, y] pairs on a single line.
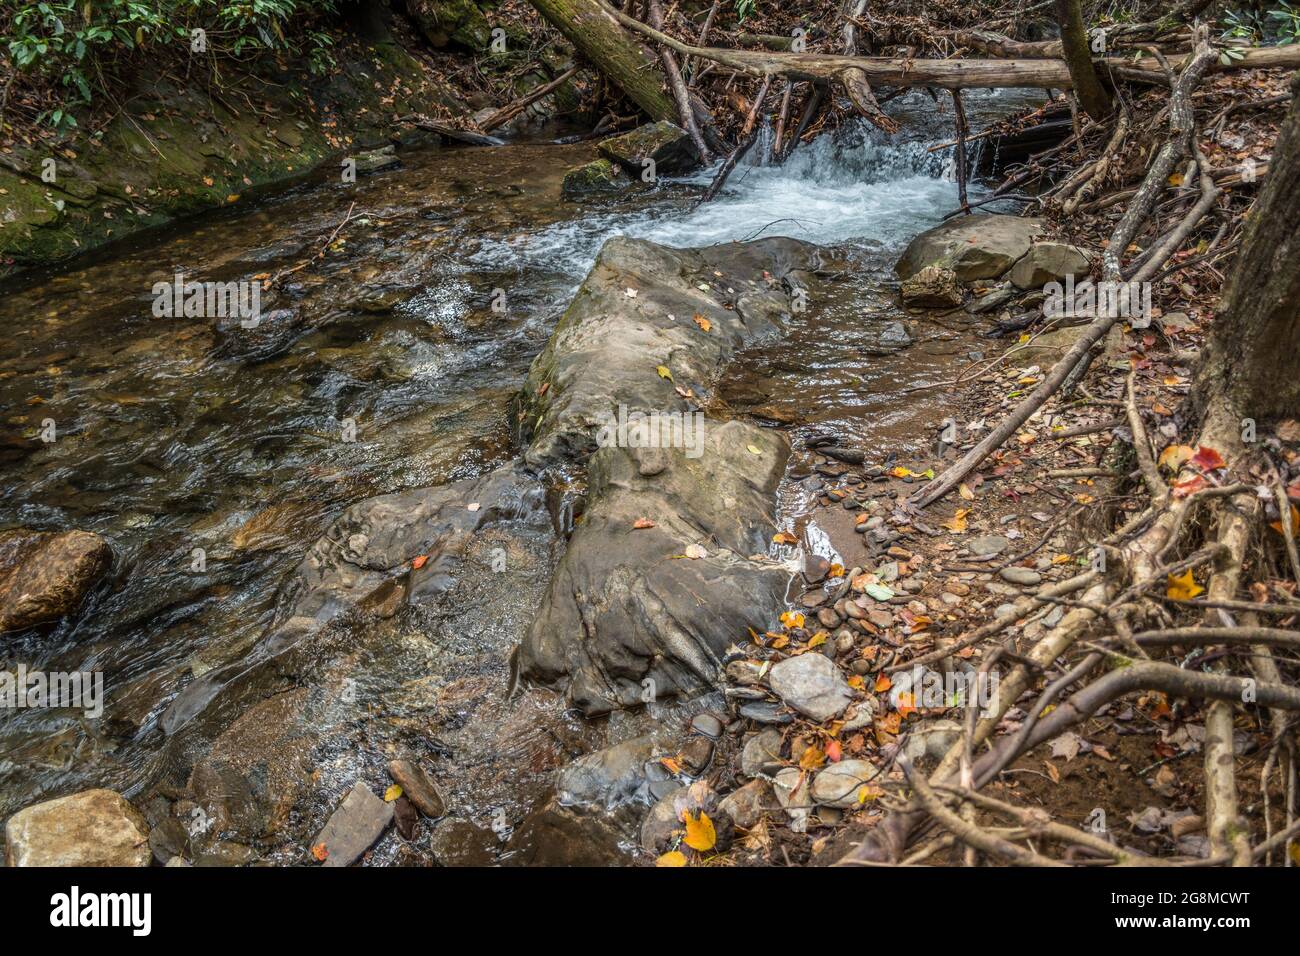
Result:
{"points": [[505, 598]]}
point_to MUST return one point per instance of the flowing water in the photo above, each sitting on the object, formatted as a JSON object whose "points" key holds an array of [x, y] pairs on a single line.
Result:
{"points": [[211, 456]]}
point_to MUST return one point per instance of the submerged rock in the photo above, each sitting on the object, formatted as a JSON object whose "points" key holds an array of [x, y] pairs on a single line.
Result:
{"points": [[608, 777], [668, 145], [366, 561], [418, 787], [981, 246], [354, 827], [91, 828], [45, 575]]}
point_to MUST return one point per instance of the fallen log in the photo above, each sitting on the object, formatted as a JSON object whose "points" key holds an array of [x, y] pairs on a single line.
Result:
{"points": [[946, 74]]}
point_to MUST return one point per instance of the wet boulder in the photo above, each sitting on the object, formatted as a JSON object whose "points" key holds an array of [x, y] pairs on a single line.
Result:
{"points": [[601, 177], [648, 331], [91, 828], [657, 579], [669, 147], [46, 575], [980, 246]]}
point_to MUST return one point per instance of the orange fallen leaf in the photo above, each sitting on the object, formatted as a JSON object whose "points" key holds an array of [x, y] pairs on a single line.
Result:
{"points": [[784, 537], [700, 834], [320, 852], [642, 523], [419, 561], [812, 758], [1183, 587], [883, 683], [702, 322], [671, 859], [1207, 459], [1295, 523]]}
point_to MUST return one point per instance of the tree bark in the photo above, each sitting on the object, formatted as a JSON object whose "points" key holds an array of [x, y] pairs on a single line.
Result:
{"points": [[1088, 88], [1252, 359], [627, 62]]}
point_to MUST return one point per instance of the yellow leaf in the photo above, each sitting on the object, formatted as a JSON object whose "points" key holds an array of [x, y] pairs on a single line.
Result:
{"points": [[674, 858], [818, 639], [812, 758], [1176, 179], [965, 492], [1183, 587], [664, 373], [1174, 457], [957, 523], [700, 834], [792, 619], [836, 571], [392, 793], [754, 449], [784, 537], [701, 321]]}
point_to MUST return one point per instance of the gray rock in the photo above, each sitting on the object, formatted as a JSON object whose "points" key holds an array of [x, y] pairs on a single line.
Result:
{"points": [[662, 822], [373, 160], [766, 712], [980, 246], [837, 784], [812, 685], [747, 805], [90, 828], [354, 826], [418, 787], [620, 612], [761, 753], [607, 348], [1049, 262], [1025, 577], [987, 545], [706, 725], [45, 575], [931, 739]]}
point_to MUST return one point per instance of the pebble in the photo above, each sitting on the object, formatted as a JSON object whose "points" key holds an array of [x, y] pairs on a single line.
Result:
{"points": [[706, 725], [812, 685], [815, 568], [828, 618], [987, 545], [761, 753], [837, 785], [1022, 576], [697, 754], [766, 712]]}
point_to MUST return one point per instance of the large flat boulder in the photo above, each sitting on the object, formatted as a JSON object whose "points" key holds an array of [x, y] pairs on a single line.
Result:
{"points": [[981, 246], [645, 310], [637, 613], [45, 575], [91, 828]]}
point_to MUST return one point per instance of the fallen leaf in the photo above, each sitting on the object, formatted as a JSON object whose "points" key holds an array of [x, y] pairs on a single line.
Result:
{"points": [[883, 683], [834, 752], [702, 322], [642, 523], [696, 551], [392, 793], [1174, 457], [784, 537], [472, 506], [964, 490], [672, 858], [320, 852], [700, 834], [812, 758], [1183, 587], [1295, 523], [664, 373], [957, 523], [754, 449], [419, 561], [1207, 459]]}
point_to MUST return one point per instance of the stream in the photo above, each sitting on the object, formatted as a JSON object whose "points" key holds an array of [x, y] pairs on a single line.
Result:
{"points": [[211, 456]]}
